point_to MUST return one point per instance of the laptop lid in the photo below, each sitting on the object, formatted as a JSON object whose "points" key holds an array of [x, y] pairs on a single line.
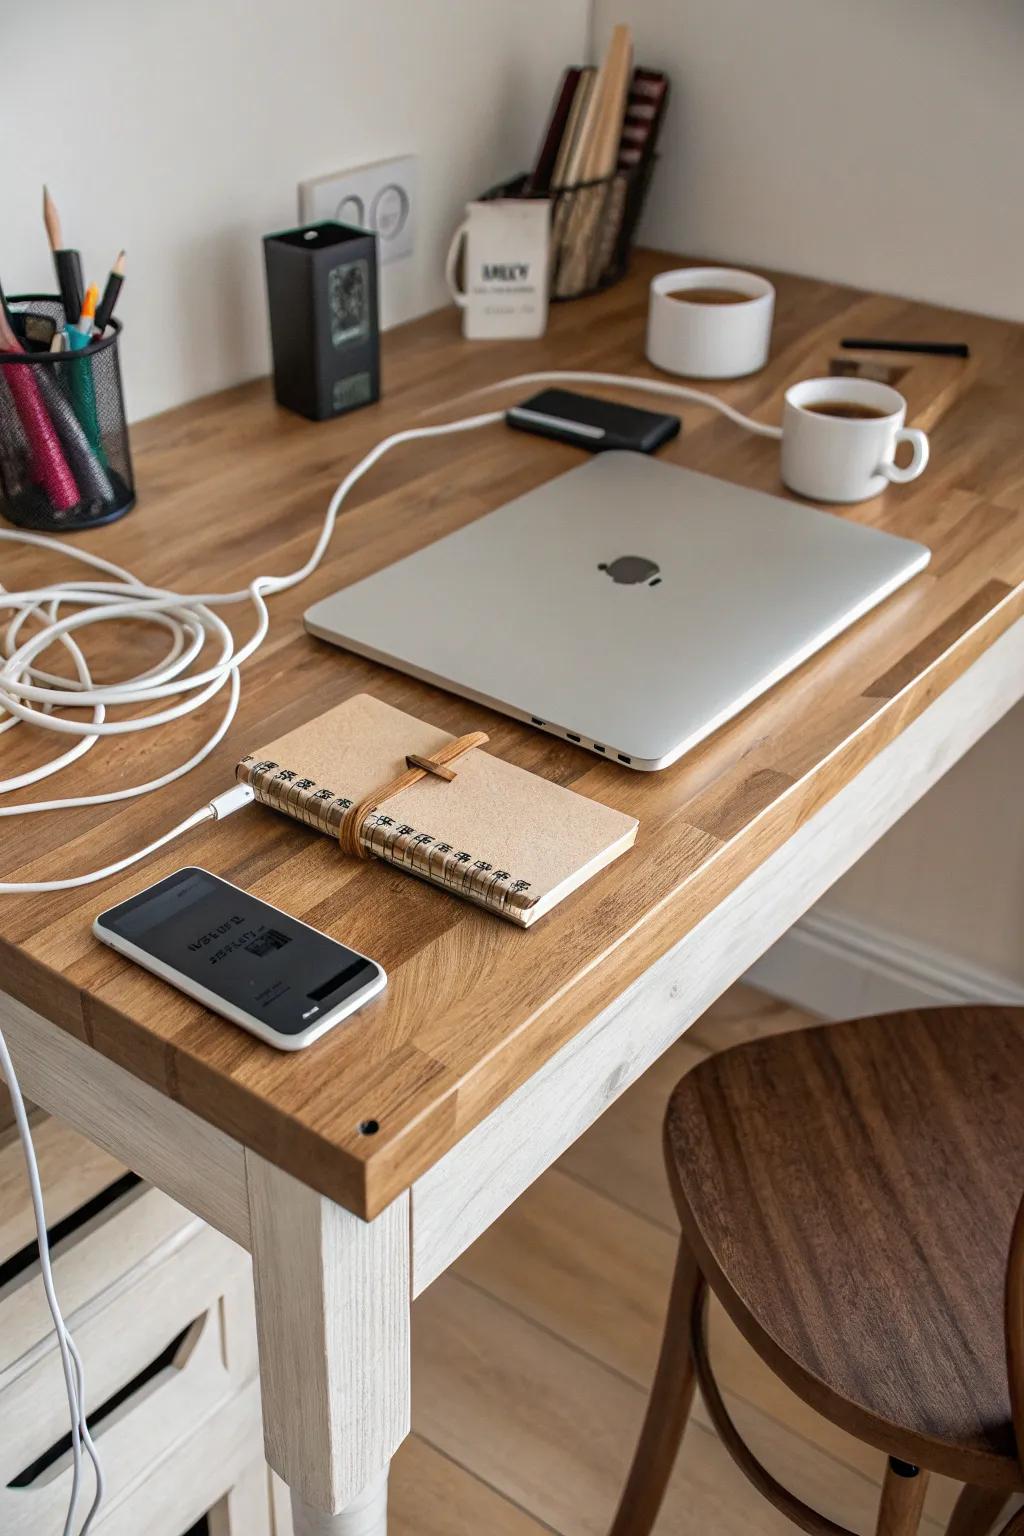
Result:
{"points": [[628, 604]]}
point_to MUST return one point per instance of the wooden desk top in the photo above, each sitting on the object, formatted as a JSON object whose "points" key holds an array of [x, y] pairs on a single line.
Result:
{"points": [[231, 487]]}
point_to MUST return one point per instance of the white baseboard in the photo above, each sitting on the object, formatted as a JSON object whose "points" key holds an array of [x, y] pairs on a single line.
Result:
{"points": [[839, 968]]}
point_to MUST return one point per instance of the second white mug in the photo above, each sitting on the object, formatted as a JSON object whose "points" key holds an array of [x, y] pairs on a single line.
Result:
{"points": [[710, 322], [840, 436]]}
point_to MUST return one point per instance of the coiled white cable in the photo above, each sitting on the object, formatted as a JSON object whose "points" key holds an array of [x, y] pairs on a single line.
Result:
{"points": [[29, 693], [56, 614]]}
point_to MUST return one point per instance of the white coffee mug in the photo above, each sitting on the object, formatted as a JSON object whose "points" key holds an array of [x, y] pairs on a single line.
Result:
{"points": [[846, 458], [505, 268], [710, 340]]}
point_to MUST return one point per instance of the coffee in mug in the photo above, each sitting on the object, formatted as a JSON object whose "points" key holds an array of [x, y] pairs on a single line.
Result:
{"points": [[505, 249], [710, 322], [848, 410], [708, 296], [840, 437]]}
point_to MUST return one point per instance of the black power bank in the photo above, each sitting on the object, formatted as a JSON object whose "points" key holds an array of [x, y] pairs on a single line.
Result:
{"points": [[595, 425]]}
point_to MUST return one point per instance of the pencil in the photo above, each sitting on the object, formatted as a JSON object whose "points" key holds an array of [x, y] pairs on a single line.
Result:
{"points": [[67, 263], [111, 294]]}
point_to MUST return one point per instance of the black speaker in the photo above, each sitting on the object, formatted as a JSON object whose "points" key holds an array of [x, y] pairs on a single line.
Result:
{"points": [[324, 326]]}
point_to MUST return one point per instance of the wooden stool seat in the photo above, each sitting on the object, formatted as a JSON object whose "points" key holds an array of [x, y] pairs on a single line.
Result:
{"points": [[849, 1193]]}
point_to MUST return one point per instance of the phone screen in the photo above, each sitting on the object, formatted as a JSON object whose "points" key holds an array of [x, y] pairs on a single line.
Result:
{"points": [[260, 960]]}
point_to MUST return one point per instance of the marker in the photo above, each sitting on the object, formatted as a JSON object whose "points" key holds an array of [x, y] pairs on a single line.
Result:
{"points": [[83, 394], [88, 315], [111, 293], [48, 465]]}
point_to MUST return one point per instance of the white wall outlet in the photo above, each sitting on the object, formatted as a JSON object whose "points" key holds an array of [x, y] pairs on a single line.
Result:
{"points": [[380, 197]]}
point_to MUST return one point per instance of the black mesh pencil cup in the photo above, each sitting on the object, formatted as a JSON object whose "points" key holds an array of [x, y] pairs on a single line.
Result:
{"points": [[65, 462]]}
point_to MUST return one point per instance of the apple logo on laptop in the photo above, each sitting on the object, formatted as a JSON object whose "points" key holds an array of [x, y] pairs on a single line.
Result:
{"points": [[630, 569]]}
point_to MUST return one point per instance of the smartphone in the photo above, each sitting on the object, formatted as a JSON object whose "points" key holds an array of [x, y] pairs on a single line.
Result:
{"points": [[253, 964]]}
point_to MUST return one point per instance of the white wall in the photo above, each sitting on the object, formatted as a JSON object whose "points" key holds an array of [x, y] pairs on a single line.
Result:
{"points": [[194, 121], [950, 875], [876, 142]]}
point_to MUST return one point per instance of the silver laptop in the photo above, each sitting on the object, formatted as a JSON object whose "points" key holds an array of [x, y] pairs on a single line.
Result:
{"points": [[628, 605]]}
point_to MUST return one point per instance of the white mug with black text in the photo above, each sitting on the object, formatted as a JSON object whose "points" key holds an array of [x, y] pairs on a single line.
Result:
{"points": [[505, 244]]}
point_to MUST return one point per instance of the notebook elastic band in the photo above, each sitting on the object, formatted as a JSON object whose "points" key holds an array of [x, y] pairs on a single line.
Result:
{"points": [[416, 768]]}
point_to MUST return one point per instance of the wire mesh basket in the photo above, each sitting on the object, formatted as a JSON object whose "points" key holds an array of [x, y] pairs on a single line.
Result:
{"points": [[593, 226], [65, 461]]}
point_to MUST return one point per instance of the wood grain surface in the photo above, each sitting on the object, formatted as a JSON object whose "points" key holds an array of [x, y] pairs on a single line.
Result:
{"points": [[849, 1192], [232, 486]]}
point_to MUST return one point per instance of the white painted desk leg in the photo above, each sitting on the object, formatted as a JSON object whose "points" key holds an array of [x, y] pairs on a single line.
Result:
{"points": [[332, 1317], [367, 1516]]}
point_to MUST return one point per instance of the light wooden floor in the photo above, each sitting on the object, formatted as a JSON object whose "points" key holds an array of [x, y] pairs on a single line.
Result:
{"points": [[532, 1357]]}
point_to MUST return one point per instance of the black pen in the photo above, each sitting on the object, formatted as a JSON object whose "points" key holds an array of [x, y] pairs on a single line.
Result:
{"points": [[931, 348]]}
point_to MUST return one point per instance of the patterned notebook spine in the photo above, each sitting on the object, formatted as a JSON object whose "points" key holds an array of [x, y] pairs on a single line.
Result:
{"points": [[388, 838]]}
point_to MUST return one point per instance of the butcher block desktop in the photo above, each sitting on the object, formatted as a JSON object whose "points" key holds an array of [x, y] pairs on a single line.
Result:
{"points": [[357, 1171]]}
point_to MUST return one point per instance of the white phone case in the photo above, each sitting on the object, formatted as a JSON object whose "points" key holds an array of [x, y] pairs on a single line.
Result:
{"points": [[228, 1010]]}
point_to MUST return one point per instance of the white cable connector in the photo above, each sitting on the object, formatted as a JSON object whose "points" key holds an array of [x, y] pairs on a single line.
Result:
{"points": [[234, 799]]}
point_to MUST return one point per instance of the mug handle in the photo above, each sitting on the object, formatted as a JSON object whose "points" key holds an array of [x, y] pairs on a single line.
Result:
{"points": [[919, 443], [452, 262]]}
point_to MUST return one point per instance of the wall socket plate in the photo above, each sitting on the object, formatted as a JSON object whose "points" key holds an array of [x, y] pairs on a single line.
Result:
{"points": [[379, 197]]}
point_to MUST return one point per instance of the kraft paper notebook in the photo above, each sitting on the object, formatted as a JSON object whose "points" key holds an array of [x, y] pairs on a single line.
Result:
{"points": [[494, 833]]}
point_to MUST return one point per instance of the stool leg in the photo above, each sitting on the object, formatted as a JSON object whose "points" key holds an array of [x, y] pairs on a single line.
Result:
{"points": [[976, 1512], [902, 1499], [667, 1410], [245, 1509]]}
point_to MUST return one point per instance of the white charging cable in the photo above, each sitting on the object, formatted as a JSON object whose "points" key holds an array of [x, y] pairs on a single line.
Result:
{"points": [[29, 693], [646, 386], [74, 1372], [56, 614]]}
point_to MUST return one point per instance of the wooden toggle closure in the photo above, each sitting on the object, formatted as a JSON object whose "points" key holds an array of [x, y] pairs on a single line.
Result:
{"points": [[416, 768]]}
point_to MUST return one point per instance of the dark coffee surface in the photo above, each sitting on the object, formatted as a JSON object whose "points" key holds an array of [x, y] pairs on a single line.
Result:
{"points": [[848, 410], [710, 296]]}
